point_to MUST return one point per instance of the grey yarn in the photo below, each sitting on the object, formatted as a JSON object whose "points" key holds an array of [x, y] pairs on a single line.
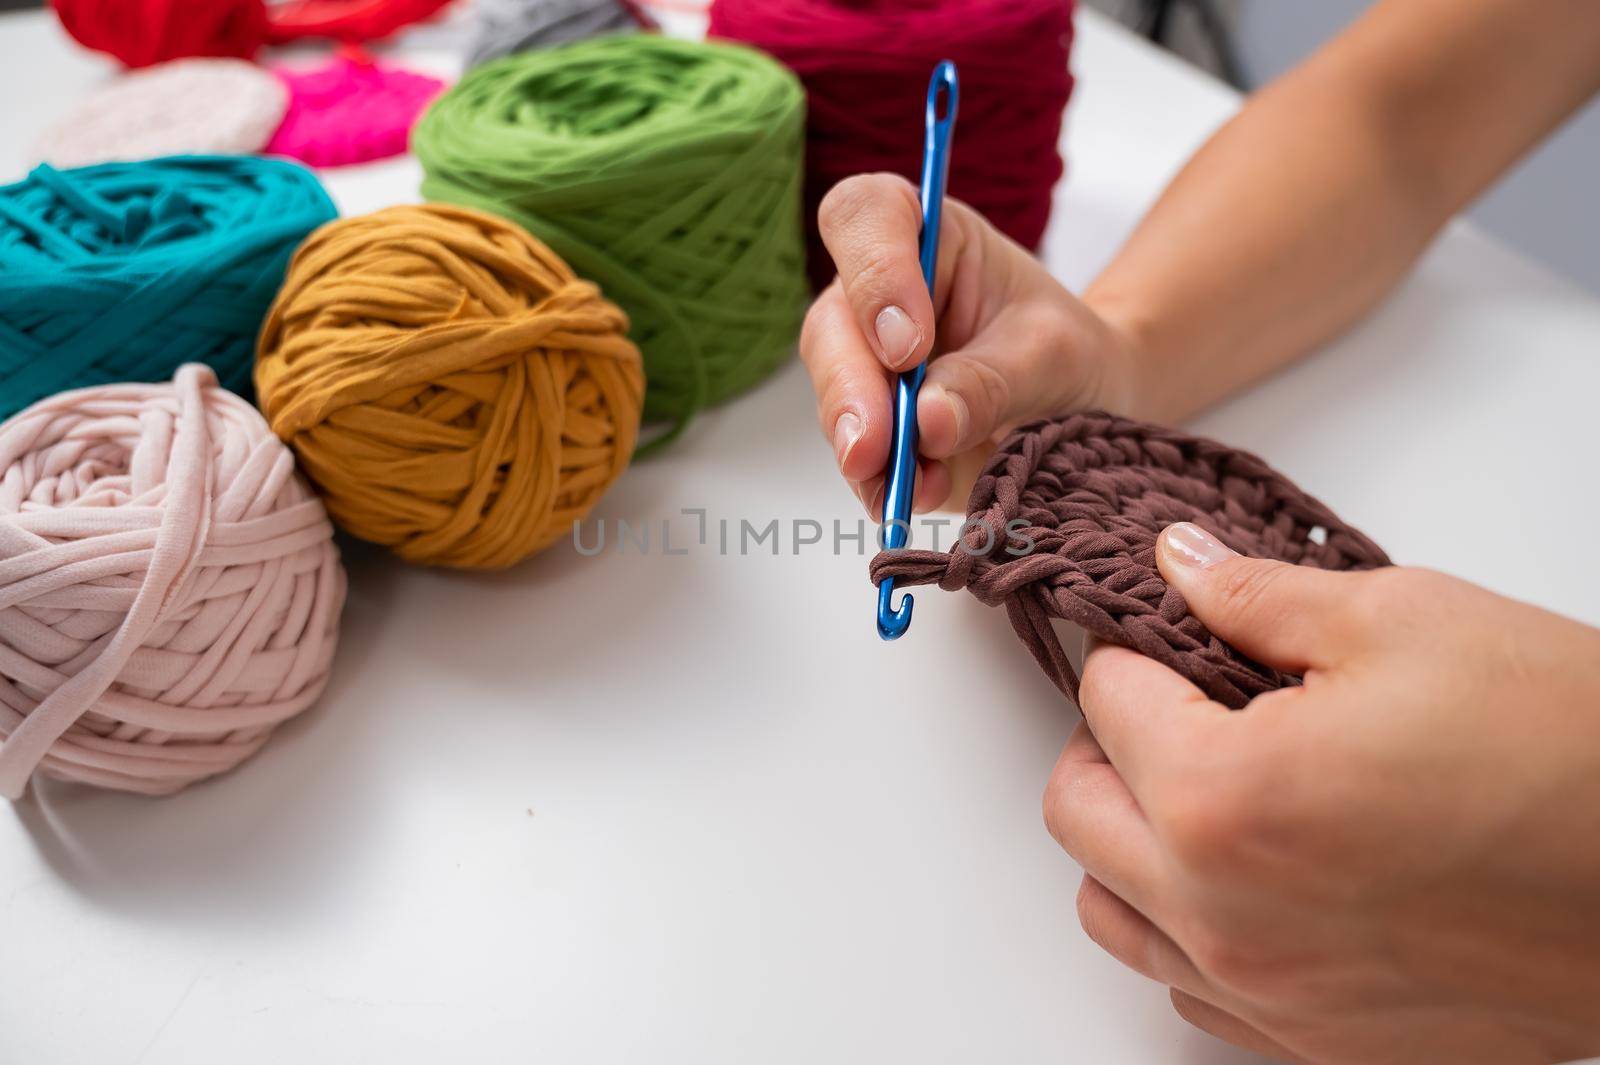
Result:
{"points": [[507, 26]]}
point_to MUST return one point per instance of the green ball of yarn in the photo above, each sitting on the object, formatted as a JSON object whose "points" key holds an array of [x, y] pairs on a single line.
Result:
{"points": [[126, 271], [666, 171]]}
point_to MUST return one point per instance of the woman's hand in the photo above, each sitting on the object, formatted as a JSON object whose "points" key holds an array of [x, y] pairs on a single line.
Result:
{"points": [[1013, 344], [1397, 862]]}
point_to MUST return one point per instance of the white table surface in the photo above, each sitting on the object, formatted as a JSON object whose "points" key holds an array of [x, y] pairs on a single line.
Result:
{"points": [[689, 809]]}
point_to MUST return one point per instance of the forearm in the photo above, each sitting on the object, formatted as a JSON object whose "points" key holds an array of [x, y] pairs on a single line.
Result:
{"points": [[1307, 208]]}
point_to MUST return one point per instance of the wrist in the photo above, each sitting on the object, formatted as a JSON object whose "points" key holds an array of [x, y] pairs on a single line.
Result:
{"points": [[1129, 385]]}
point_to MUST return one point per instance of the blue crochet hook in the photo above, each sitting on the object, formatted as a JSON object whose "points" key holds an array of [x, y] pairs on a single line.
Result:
{"points": [[939, 121]]}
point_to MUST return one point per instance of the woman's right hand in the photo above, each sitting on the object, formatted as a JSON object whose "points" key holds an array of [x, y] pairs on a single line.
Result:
{"points": [[1012, 344]]}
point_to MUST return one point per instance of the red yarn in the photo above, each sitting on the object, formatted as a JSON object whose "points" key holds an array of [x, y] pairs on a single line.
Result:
{"points": [[144, 32], [865, 65], [345, 20]]}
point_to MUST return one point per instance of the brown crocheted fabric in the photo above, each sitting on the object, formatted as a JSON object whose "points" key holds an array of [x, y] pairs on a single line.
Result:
{"points": [[1092, 492]]}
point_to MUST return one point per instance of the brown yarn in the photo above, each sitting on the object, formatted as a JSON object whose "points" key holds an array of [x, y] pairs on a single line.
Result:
{"points": [[1093, 491]]}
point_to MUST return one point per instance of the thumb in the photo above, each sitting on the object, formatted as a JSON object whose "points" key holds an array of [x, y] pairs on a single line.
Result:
{"points": [[1282, 615]]}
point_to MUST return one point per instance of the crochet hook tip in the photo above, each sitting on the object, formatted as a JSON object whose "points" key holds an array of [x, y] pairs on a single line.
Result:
{"points": [[892, 623]]}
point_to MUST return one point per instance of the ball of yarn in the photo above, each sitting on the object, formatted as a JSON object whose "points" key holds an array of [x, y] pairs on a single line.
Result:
{"points": [[125, 271], [865, 65], [142, 32], [169, 588], [350, 21], [350, 110], [453, 390], [185, 107], [1091, 493], [507, 26], [668, 172]]}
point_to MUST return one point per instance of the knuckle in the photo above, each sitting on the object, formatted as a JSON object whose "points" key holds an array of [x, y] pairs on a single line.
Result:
{"points": [[832, 383], [1383, 587], [1211, 954], [1197, 829], [1389, 600], [1055, 806], [840, 204], [983, 387], [840, 388], [1040, 323], [1211, 824], [1189, 1009], [1068, 791], [1106, 669], [811, 345], [1096, 681], [1211, 1019], [1247, 589], [1098, 920], [1232, 962], [830, 398], [967, 223], [855, 198], [873, 281], [1091, 913], [1398, 585], [1260, 813], [817, 321]]}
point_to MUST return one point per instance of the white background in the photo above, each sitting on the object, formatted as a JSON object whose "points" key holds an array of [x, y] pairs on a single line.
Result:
{"points": [[689, 809]]}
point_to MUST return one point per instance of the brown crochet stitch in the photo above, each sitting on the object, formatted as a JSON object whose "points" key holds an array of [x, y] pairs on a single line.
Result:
{"points": [[1092, 492]]}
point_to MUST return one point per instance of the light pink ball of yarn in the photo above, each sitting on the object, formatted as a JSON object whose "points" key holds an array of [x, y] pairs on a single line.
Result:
{"points": [[169, 587], [185, 107]]}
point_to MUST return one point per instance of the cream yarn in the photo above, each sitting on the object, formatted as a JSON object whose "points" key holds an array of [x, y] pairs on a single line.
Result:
{"points": [[169, 587], [185, 107]]}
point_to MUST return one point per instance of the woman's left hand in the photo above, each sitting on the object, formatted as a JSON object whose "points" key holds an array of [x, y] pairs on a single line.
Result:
{"points": [[1397, 862]]}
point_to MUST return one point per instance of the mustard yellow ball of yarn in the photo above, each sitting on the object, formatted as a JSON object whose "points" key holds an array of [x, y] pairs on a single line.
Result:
{"points": [[453, 390]]}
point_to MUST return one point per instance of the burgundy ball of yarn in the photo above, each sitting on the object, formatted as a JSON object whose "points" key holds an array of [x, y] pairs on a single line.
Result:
{"points": [[865, 65], [1063, 524]]}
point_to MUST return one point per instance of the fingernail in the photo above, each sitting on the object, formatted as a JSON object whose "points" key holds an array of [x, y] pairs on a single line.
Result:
{"points": [[874, 504], [958, 411], [898, 336], [855, 490], [846, 431], [1193, 546]]}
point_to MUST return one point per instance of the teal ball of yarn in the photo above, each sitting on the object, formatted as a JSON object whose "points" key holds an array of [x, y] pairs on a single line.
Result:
{"points": [[126, 271]]}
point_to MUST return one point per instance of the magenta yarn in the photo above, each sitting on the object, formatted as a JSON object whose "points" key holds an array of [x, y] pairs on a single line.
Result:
{"points": [[352, 110]]}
